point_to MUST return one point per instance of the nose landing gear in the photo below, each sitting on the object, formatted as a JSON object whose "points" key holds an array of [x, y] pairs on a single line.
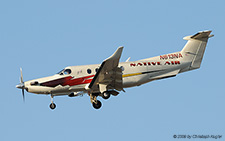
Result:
{"points": [[52, 105]]}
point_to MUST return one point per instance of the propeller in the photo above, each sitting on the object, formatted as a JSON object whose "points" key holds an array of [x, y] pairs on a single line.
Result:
{"points": [[21, 85]]}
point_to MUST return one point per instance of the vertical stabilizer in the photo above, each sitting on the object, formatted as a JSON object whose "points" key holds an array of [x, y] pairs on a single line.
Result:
{"points": [[195, 48]]}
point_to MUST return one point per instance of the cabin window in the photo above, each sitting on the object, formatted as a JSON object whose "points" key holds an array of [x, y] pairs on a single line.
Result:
{"points": [[122, 68], [96, 70], [89, 71]]}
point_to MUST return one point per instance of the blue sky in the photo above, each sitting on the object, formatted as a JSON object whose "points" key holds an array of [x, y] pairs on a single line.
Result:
{"points": [[45, 36]]}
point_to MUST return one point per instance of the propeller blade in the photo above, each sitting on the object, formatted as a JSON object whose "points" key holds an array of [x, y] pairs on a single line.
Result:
{"points": [[23, 95], [21, 76]]}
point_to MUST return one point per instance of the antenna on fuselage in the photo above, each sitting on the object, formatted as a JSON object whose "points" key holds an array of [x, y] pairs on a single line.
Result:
{"points": [[128, 59]]}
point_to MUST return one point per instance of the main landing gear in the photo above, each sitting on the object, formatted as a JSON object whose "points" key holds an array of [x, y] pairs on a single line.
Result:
{"points": [[52, 105], [106, 95], [95, 103]]}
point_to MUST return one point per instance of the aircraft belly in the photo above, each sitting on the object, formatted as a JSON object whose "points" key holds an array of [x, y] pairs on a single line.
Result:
{"points": [[129, 82], [78, 88], [134, 78]]}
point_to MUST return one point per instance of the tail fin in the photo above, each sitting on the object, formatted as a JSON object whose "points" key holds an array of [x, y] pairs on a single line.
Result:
{"points": [[194, 49]]}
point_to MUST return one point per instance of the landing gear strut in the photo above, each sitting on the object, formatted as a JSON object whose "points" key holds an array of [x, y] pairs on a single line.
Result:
{"points": [[52, 105], [96, 103]]}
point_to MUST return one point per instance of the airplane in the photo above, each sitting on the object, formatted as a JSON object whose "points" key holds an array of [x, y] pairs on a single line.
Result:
{"points": [[111, 76]]}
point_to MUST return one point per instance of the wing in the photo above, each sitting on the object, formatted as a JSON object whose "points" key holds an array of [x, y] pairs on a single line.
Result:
{"points": [[109, 75]]}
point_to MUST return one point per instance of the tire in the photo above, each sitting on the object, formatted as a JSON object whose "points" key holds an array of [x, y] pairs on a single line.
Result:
{"points": [[52, 106], [106, 95], [98, 105]]}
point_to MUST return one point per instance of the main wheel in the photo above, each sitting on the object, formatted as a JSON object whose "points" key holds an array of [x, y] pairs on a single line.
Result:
{"points": [[106, 95], [52, 106], [98, 105]]}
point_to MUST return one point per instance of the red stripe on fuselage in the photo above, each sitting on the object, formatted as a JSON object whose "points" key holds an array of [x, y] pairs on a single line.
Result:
{"points": [[78, 81], [71, 81]]}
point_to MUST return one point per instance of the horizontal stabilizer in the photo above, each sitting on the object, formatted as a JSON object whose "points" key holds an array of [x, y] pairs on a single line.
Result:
{"points": [[166, 75], [200, 35]]}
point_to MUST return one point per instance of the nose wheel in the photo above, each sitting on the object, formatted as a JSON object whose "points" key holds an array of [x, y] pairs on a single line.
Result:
{"points": [[52, 106]]}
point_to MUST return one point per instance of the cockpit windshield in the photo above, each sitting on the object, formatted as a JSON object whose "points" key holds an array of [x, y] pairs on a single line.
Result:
{"points": [[60, 71], [65, 72]]}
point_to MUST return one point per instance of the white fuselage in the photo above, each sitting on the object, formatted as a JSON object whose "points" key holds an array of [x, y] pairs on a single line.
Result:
{"points": [[134, 74]]}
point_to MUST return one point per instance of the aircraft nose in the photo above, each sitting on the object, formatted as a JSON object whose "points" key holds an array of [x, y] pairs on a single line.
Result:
{"points": [[20, 86]]}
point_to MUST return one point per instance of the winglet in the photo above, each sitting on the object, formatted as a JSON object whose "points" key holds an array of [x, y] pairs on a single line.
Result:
{"points": [[117, 53]]}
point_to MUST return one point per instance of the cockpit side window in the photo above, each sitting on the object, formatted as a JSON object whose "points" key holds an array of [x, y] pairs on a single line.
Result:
{"points": [[67, 71]]}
